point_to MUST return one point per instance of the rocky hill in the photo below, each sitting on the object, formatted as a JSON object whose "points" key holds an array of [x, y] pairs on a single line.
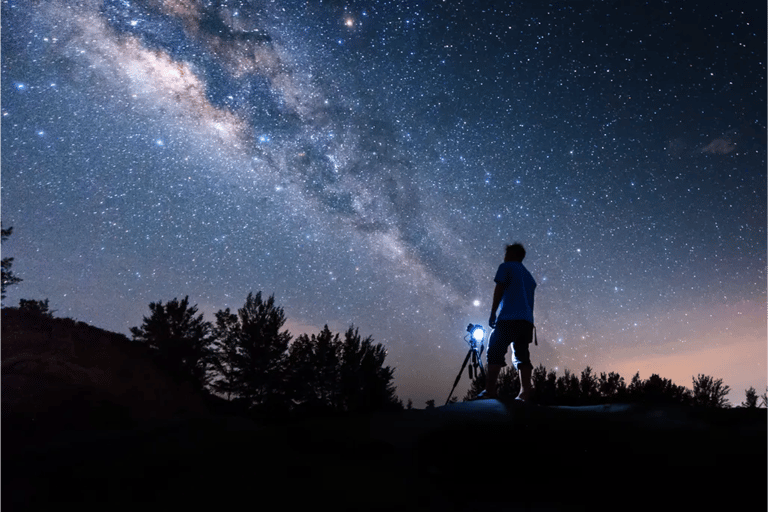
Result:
{"points": [[59, 375]]}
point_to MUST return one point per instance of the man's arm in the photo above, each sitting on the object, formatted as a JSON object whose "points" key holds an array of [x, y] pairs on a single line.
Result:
{"points": [[498, 293]]}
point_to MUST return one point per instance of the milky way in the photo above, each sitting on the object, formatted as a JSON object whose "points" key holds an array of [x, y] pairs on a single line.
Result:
{"points": [[366, 163]]}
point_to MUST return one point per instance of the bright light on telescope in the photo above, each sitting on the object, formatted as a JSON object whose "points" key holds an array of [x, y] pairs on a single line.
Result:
{"points": [[478, 333]]}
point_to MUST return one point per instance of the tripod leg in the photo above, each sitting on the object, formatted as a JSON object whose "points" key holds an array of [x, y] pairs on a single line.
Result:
{"points": [[477, 361], [458, 377], [482, 370]]}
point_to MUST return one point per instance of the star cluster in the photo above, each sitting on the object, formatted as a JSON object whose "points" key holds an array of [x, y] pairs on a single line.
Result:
{"points": [[366, 162]]}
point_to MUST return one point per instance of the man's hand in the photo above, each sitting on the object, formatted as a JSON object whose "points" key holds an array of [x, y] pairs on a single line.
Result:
{"points": [[492, 321]]}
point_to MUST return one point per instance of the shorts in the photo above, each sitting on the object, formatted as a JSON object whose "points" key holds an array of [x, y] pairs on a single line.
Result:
{"points": [[518, 333]]}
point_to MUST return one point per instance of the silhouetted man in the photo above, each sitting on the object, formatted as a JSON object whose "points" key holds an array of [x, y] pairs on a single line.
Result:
{"points": [[514, 293]]}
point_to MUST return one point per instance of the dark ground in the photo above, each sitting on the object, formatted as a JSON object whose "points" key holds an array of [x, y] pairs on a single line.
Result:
{"points": [[465, 456]]}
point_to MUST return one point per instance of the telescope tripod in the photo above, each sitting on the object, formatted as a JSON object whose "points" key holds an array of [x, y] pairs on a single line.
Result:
{"points": [[476, 355]]}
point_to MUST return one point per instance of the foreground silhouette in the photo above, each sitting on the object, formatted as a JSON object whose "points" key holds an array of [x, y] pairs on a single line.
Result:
{"points": [[71, 436], [569, 389]]}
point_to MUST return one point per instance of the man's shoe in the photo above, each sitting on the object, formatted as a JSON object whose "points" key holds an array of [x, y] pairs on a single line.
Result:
{"points": [[484, 395]]}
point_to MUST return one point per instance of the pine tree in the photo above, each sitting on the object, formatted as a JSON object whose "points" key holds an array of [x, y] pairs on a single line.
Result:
{"points": [[324, 372], [612, 387], [508, 384], [8, 278], [300, 376], [365, 380], [312, 372], [660, 390], [476, 386], [35, 308], [226, 340], [750, 401], [635, 388], [327, 365], [568, 392], [588, 387], [261, 357], [542, 394], [179, 339]]}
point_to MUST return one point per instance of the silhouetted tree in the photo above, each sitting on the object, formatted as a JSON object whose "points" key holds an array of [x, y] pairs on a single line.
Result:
{"points": [[8, 278], [476, 386], [588, 387], [409, 405], [710, 392], [35, 308], [635, 388], [366, 383], [568, 392], [225, 353], [430, 404], [299, 381], [764, 399], [612, 387], [659, 390], [324, 372], [508, 384], [261, 354], [179, 339], [327, 368], [312, 372], [544, 386], [750, 401]]}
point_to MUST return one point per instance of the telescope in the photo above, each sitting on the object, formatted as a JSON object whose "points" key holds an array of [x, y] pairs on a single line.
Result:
{"points": [[475, 339]]}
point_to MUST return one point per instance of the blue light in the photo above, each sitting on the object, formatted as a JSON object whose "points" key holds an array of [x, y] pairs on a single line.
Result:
{"points": [[478, 333]]}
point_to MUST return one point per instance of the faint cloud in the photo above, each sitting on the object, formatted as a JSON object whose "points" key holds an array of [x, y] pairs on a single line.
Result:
{"points": [[722, 145]]}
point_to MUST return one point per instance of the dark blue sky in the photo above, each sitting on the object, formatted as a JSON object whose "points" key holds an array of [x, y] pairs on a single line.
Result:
{"points": [[366, 162]]}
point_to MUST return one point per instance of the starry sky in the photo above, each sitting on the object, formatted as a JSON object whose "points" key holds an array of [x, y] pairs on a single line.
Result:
{"points": [[367, 162]]}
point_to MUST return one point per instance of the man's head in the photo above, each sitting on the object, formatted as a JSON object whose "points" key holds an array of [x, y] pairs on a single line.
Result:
{"points": [[515, 252]]}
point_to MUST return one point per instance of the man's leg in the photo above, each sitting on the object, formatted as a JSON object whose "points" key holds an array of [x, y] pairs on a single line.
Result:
{"points": [[497, 350], [522, 357], [491, 377], [525, 382]]}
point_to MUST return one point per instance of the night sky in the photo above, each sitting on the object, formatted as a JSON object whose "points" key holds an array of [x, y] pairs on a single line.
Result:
{"points": [[367, 162]]}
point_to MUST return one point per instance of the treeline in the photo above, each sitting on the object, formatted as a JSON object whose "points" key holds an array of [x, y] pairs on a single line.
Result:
{"points": [[248, 358], [245, 357], [592, 389]]}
